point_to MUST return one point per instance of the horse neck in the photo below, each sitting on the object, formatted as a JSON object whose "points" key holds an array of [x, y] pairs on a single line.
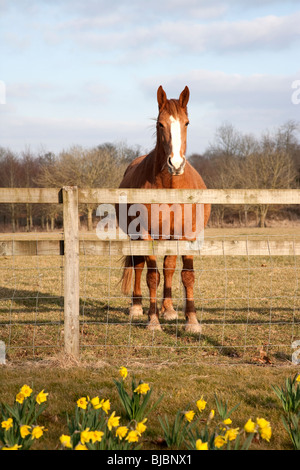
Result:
{"points": [[160, 159]]}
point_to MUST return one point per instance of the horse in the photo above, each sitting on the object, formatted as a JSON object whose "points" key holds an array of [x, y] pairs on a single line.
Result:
{"points": [[165, 166]]}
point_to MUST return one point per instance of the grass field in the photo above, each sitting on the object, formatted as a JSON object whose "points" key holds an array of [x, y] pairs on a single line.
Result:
{"points": [[249, 308]]}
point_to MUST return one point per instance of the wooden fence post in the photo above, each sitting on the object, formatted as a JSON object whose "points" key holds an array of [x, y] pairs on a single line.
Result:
{"points": [[71, 270]]}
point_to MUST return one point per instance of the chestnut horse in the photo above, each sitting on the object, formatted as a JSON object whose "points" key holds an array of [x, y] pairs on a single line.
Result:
{"points": [[164, 167]]}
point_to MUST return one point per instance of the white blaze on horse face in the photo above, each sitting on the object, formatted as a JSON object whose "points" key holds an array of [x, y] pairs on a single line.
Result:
{"points": [[176, 158]]}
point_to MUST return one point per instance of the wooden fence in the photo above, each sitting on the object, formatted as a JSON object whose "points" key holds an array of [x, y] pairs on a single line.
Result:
{"points": [[70, 244]]}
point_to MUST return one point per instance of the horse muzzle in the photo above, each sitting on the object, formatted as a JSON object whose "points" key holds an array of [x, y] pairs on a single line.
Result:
{"points": [[176, 171]]}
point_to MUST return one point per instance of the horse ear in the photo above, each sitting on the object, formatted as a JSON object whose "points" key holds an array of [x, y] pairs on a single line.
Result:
{"points": [[161, 98], [184, 97]]}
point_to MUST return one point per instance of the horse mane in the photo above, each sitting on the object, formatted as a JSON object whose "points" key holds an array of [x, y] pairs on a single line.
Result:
{"points": [[172, 106]]}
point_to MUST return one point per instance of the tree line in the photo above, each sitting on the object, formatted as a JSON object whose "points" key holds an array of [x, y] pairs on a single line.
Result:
{"points": [[232, 160]]}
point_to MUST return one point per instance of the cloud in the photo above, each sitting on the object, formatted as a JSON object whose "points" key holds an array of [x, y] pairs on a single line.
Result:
{"points": [[54, 134], [228, 90], [190, 36]]}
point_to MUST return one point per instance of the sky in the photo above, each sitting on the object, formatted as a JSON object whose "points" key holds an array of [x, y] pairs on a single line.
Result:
{"points": [[84, 73]]}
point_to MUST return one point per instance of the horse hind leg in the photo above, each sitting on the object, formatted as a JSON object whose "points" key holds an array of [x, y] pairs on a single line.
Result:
{"points": [[136, 309], [153, 278], [167, 306], [188, 280]]}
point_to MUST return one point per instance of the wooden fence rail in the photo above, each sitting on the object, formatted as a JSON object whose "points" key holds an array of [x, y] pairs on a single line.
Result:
{"points": [[71, 244]]}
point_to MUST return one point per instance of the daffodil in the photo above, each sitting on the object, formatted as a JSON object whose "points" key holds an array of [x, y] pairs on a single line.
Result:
{"points": [[201, 445], [189, 415], [142, 389], [121, 432], [96, 436], [37, 432], [123, 372], [227, 421], [266, 433], [265, 429], [81, 447], [250, 426], [231, 434], [41, 397], [132, 436], [14, 447], [24, 430], [298, 378], [7, 424], [85, 436], [66, 441], [262, 422], [140, 427], [26, 391], [201, 404], [82, 403], [105, 405], [20, 397], [96, 403], [113, 421], [219, 441]]}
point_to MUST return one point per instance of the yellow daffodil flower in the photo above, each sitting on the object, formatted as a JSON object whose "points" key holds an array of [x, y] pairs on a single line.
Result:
{"points": [[81, 447], [123, 372], [26, 390], [201, 445], [41, 397], [132, 436], [266, 433], [201, 404], [142, 389], [140, 427], [219, 441], [262, 422], [7, 424], [265, 429], [37, 432], [14, 447], [105, 405], [85, 436], [96, 436], [227, 421], [82, 403], [250, 426], [189, 415], [24, 430], [66, 441], [20, 398], [231, 434], [113, 421], [96, 403], [121, 432]]}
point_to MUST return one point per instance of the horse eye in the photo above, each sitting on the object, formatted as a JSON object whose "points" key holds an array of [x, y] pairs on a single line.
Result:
{"points": [[161, 125], [187, 123]]}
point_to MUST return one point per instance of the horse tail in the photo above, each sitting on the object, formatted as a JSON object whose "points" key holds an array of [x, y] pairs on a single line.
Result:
{"points": [[127, 274]]}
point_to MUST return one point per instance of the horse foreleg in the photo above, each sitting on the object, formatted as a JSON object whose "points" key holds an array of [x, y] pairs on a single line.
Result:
{"points": [[136, 310], [153, 278], [167, 306], [188, 280]]}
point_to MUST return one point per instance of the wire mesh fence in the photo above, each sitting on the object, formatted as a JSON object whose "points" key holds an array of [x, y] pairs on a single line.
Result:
{"points": [[248, 307]]}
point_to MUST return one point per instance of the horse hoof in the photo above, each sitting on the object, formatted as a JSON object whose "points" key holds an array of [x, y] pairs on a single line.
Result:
{"points": [[193, 327], [170, 314], [136, 311], [154, 325]]}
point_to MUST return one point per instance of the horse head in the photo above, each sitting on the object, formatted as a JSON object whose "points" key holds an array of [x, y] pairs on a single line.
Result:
{"points": [[171, 128]]}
